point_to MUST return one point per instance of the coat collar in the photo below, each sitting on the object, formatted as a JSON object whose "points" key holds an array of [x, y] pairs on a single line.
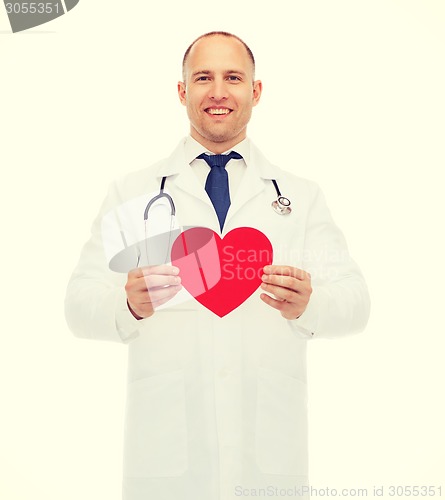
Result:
{"points": [[177, 163]]}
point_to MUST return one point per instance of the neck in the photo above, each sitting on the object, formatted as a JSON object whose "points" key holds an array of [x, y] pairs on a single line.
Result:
{"points": [[217, 147]]}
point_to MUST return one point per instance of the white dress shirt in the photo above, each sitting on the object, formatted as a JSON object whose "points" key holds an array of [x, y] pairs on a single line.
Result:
{"points": [[235, 168]]}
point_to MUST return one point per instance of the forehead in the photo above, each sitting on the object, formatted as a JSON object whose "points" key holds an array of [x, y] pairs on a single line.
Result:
{"points": [[218, 53]]}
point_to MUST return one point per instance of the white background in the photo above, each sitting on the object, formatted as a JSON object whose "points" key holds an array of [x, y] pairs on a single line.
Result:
{"points": [[354, 91]]}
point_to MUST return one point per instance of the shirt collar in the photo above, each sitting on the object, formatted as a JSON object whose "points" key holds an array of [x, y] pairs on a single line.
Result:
{"points": [[192, 149]]}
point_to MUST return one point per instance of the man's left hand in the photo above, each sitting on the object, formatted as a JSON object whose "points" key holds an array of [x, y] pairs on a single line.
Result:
{"points": [[291, 288]]}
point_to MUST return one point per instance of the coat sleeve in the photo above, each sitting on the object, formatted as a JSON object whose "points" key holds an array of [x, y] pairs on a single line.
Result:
{"points": [[95, 301], [340, 303]]}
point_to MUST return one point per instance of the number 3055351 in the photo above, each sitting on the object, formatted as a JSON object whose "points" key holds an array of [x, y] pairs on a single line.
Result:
{"points": [[32, 8]]}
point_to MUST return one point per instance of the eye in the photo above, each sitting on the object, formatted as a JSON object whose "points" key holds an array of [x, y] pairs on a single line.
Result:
{"points": [[234, 78], [202, 78]]}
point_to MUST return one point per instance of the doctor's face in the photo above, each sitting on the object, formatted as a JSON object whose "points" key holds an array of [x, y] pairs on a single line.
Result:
{"points": [[219, 92]]}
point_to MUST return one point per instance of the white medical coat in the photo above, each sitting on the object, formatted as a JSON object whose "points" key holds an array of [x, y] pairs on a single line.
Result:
{"points": [[216, 406]]}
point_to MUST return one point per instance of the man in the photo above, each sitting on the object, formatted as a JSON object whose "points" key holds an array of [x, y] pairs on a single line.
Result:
{"points": [[217, 403]]}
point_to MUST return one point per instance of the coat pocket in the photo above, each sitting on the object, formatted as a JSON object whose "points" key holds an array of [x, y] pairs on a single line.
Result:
{"points": [[155, 427], [281, 425]]}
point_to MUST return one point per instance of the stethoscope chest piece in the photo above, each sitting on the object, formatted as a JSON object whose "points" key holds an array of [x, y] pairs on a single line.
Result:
{"points": [[282, 205]]}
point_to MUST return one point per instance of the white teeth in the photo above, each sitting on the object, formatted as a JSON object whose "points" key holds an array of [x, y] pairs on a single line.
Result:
{"points": [[218, 111]]}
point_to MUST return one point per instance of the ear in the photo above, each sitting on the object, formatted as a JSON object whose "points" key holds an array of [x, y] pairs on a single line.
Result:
{"points": [[257, 89], [182, 93]]}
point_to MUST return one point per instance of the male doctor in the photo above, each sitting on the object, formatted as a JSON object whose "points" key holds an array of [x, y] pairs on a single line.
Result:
{"points": [[217, 406]]}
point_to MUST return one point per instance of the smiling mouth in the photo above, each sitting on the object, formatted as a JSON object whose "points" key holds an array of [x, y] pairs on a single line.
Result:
{"points": [[218, 111]]}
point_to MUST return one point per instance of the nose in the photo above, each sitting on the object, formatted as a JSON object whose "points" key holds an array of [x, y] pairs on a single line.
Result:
{"points": [[218, 90]]}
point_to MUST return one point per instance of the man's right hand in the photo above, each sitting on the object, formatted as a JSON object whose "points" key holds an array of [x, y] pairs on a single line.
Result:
{"points": [[149, 287]]}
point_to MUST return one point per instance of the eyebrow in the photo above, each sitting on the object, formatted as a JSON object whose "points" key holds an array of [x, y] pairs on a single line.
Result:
{"points": [[228, 72], [236, 72], [201, 72]]}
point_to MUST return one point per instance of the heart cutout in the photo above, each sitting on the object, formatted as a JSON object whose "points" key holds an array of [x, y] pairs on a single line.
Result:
{"points": [[221, 274]]}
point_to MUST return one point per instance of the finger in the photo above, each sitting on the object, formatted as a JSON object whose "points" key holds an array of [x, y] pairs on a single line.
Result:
{"points": [[275, 303], [281, 293], [157, 294], [146, 302], [163, 269], [152, 284], [283, 281], [161, 302], [295, 272], [134, 273], [287, 310], [156, 280]]}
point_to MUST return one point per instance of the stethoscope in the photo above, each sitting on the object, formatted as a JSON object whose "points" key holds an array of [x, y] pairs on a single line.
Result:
{"points": [[281, 205]]}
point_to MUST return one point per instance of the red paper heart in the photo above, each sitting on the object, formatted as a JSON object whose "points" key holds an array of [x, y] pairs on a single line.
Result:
{"points": [[221, 273]]}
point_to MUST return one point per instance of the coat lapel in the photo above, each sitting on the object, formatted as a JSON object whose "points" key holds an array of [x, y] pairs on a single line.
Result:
{"points": [[183, 176], [258, 174]]}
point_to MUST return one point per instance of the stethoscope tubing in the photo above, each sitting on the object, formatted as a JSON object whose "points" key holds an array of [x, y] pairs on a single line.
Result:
{"points": [[281, 205]]}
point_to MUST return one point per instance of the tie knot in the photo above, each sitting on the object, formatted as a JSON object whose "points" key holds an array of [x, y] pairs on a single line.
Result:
{"points": [[220, 160]]}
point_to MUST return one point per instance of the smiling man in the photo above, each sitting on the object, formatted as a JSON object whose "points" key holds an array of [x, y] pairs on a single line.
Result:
{"points": [[219, 98], [216, 406]]}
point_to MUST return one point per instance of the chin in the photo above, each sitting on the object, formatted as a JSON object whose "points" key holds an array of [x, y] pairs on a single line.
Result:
{"points": [[215, 136]]}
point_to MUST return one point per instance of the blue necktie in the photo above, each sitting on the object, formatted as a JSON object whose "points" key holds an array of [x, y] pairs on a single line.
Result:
{"points": [[217, 183]]}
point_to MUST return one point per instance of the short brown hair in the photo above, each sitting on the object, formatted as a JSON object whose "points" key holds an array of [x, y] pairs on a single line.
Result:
{"points": [[214, 33]]}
